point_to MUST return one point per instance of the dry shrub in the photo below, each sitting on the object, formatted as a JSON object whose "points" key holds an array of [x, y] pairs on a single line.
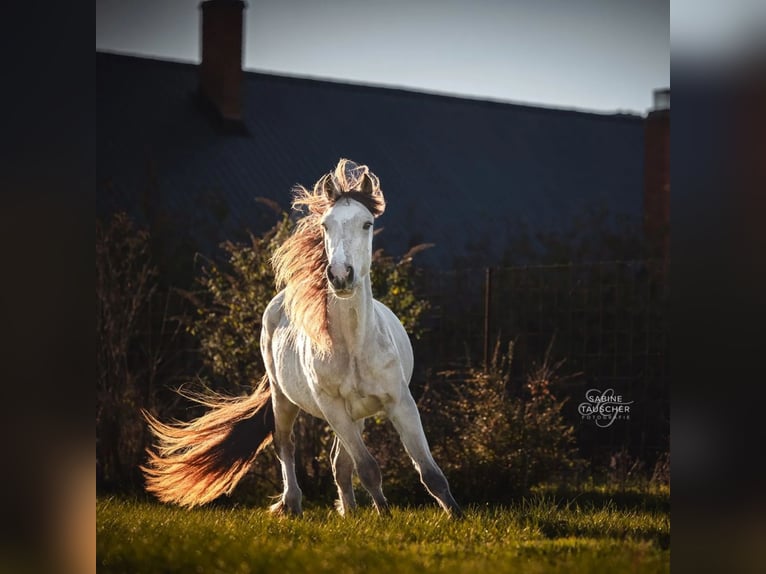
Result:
{"points": [[493, 440]]}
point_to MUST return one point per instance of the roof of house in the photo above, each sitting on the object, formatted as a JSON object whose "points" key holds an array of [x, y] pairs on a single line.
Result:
{"points": [[460, 173]]}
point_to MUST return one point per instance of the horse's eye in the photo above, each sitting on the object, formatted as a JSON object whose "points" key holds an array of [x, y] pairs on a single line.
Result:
{"points": [[367, 225]]}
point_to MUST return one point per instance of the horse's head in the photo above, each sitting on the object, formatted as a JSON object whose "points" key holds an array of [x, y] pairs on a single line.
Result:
{"points": [[347, 228]]}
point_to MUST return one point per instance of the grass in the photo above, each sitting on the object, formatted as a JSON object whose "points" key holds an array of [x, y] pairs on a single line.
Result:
{"points": [[539, 534]]}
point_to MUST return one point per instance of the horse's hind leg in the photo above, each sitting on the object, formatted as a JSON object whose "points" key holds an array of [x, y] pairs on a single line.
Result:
{"points": [[343, 471], [406, 420], [285, 413]]}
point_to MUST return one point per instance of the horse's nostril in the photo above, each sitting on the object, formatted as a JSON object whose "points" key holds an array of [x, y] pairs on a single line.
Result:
{"points": [[342, 278]]}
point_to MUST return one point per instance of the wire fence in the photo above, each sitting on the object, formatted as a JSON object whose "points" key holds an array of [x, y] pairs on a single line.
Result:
{"points": [[607, 321]]}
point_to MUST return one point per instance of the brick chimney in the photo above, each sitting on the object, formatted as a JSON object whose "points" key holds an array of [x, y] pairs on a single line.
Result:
{"points": [[657, 177], [220, 76]]}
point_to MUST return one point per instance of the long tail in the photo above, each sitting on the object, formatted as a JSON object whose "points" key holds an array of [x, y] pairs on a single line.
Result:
{"points": [[196, 462]]}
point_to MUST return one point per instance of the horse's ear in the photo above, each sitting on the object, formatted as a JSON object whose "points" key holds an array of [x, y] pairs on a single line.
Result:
{"points": [[328, 187], [367, 186], [371, 187]]}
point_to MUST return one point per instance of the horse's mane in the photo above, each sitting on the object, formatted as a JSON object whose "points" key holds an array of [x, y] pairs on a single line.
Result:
{"points": [[300, 261]]}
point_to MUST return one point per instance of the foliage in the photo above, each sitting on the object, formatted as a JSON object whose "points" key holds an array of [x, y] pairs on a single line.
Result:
{"points": [[393, 284], [493, 437], [535, 535], [661, 473], [229, 306], [609, 320], [133, 333], [510, 439]]}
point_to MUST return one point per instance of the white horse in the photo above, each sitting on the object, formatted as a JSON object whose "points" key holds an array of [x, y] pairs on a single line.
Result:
{"points": [[329, 349]]}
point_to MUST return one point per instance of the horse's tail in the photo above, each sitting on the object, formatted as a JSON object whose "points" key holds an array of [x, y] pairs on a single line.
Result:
{"points": [[198, 461]]}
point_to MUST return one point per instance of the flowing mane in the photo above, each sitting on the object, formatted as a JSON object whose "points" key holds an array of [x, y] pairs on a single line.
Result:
{"points": [[300, 262]]}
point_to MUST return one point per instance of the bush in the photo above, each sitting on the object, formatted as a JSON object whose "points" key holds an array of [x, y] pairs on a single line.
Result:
{"points": [[393, 284], [494, 441], [134, 335], [229, 305]]}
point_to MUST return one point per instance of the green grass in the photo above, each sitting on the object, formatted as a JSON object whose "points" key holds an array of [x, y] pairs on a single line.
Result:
{"points": [[541, 534]]}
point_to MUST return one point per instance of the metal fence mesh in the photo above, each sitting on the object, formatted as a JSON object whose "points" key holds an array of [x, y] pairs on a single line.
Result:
{"points": [[607, 321]]}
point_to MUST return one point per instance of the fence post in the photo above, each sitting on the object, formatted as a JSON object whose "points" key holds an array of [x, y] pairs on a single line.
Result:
{"points": [[487, 301]]}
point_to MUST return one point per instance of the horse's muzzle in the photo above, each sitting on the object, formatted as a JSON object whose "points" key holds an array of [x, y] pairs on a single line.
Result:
{"points": [[341, 278]]}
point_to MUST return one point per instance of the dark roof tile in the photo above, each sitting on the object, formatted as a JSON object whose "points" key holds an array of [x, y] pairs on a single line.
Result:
{"points": [[454, 170]]}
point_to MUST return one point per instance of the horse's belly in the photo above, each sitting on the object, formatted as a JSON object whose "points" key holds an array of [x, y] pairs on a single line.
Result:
{"points": [[299, 395]]}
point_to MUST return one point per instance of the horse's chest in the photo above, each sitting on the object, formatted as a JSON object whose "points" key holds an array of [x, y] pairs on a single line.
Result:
{"points": [[366, 382]]}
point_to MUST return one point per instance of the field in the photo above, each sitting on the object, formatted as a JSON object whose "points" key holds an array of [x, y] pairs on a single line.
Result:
{"points": [[543, 533]]}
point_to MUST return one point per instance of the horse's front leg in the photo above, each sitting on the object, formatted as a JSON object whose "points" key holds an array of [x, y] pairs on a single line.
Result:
{"points": [[285, 413], [406, 419], [343, 471], [350, 435]]}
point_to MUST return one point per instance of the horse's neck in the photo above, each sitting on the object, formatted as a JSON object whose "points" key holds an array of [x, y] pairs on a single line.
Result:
{"points": [[351, 320]]}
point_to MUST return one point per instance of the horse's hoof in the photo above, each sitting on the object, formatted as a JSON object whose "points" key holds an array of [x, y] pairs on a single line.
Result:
{"points": [[281, 509], [344, 510], [383, 511]]}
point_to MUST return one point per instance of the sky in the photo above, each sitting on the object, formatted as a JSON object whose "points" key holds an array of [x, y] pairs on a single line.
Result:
{"points": [[594, 55]]}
